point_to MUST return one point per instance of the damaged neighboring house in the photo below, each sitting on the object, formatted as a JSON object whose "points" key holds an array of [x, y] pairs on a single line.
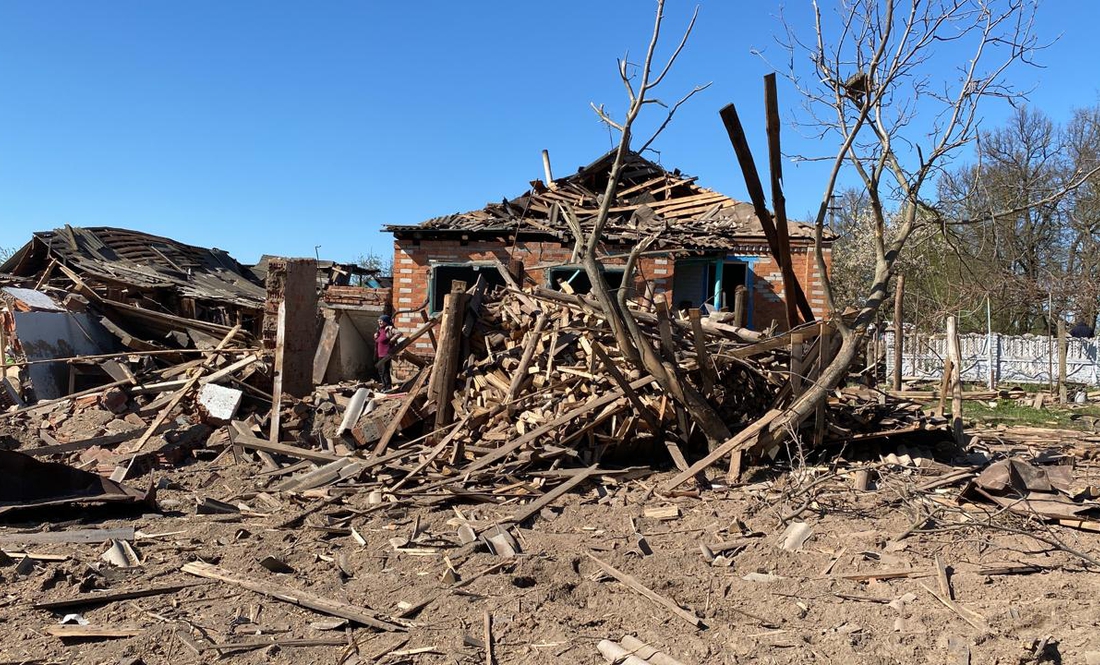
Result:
{"points": [[709, 245], [76, 292]]}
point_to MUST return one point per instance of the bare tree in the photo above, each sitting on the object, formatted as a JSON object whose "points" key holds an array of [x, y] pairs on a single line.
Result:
{"points": [[640, 81], [874, 91]]}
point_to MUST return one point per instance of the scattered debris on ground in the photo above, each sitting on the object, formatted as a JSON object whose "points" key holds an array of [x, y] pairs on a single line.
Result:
{"points": [[531, 499]]}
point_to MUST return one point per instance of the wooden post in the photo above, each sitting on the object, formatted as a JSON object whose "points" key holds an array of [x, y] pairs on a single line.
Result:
{"points": [[515, 269], [798, 369], [945, 386], [740, 300], [1063, 395], [445, 368], [992, 345], [701, 355], [3, 345], [756, 194], [824, 357], [899, 330], [668, 346], [779, 203], [956, 386], [275, 424]]}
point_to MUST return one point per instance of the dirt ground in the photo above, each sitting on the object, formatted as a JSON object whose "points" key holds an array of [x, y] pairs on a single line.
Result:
{"points": [[551, 604]]}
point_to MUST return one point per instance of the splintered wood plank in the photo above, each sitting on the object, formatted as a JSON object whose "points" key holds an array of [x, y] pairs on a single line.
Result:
{"points": [[103, 597], [521, 515], [138, 445], [441, 387], [90, 632], [395, 424], [76, 536], [298, 597], [239, 437], [740, 441], [325, 345], [652, 595]]}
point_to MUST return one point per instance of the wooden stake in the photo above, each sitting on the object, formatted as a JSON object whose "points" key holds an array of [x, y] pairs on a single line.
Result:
{"points": [[956, 386], [899, 330], [489, 659], [1063, 392]]}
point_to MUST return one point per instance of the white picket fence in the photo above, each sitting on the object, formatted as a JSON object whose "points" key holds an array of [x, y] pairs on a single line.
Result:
{"points": [[1013, 358]]}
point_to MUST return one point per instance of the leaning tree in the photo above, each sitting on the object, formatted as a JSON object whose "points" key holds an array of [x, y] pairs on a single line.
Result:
{"points": [[896, 86]]}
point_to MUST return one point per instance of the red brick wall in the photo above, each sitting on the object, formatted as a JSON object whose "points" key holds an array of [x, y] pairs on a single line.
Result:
{"points": [[361, 297], [412, 274], [767, 291]]}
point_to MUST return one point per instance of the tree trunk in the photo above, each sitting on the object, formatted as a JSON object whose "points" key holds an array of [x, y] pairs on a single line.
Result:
{"points": [[639, 352], [806, 403]]}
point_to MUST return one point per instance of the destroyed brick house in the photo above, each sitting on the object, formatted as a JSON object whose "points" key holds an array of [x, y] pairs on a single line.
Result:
{"points": [[709, 245], [74, 293]]}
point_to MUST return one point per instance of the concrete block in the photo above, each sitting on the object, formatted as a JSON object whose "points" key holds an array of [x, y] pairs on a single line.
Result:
{"points": [[219, 403]]}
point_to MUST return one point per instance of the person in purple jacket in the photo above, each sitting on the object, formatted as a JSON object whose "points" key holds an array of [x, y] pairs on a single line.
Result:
{"points": [[383, 340]]}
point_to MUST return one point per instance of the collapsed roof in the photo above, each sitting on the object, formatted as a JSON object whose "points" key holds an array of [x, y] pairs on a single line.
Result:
{"points": [[141, 260], [649, 199]]}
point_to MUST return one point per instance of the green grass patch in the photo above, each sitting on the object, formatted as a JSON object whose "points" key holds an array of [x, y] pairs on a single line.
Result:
{"points": [[1012, 412]]}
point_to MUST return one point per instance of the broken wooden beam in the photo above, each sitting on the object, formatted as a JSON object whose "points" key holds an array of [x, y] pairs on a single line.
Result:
{"points": [[301, 598]]}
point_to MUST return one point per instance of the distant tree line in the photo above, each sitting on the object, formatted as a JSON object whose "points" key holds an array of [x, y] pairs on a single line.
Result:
{"points": [[1033, 264]]}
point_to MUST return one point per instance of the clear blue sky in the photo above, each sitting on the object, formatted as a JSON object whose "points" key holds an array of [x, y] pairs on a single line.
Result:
{"points": [[271, 127]]}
